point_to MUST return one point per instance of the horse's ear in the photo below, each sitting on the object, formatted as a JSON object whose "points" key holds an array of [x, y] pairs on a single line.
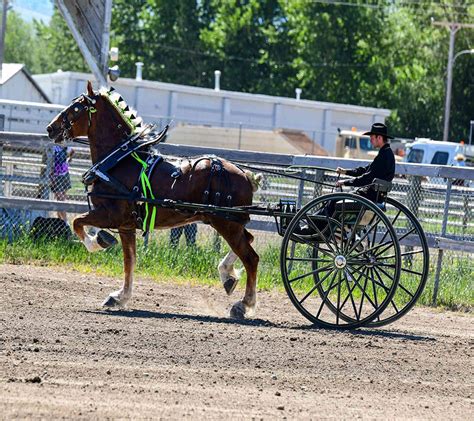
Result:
{"points": [[90, 91]]}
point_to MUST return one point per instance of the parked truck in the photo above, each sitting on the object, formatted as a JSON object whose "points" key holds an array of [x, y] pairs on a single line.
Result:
{"points": [[353, 144]]}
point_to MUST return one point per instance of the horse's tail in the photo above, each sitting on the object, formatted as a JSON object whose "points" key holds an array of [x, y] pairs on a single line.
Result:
{"points": [[255, 179]]}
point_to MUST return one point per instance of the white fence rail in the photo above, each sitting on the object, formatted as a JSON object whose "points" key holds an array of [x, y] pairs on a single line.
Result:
{"points": [[442, 197]]}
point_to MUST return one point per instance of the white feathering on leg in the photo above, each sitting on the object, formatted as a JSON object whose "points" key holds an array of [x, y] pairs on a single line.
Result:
{"points": [[91, 243]]}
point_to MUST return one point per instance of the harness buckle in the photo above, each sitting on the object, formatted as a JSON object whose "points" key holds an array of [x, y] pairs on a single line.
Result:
{"points": [[176, 173], [88, 178]]}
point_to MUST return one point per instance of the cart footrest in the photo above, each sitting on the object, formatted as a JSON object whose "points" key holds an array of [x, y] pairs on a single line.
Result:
{"points": [[288, 207]]}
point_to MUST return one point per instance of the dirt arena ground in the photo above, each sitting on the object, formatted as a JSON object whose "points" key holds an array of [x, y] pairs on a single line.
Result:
{"points": [[175, 354]]}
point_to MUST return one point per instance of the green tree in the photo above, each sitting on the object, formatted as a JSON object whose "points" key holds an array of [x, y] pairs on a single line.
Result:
{"points": [[248, 39], [380, 53], [21, 43], [59, 49], [165, 36]]}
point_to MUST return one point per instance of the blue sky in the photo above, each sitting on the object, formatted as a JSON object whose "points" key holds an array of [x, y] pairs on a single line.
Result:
{"points": [[33, 9]]}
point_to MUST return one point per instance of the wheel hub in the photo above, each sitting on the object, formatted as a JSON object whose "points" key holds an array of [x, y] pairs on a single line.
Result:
{"points": [[371, 260], [340, 262]]}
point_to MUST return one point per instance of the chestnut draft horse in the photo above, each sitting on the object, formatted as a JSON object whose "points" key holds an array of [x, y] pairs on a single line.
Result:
{"points": [[106, 121]]}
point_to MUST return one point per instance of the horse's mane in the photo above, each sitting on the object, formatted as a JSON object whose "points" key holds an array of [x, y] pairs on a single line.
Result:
{"points": [[128, 114]]}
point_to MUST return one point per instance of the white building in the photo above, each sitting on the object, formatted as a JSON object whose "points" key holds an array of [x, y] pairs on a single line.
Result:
{"points": [[17, 84], [159, 102]]}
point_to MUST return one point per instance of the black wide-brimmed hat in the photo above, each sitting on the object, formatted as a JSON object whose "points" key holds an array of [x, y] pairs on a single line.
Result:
{"points": [[379, 129]]}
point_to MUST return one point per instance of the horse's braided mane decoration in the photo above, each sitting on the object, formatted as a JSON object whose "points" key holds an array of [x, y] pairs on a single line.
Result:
{"points": [[128, 114]]}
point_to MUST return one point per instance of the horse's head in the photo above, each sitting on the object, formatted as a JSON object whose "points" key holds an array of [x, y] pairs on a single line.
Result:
{"points": [[80, 118], [75, 119]]}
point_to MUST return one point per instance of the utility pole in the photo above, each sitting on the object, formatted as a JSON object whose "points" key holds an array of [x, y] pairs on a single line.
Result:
{"points": [[453, 28], [2, 33]]}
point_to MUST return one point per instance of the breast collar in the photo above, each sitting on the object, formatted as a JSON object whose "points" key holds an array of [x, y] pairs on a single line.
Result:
{"points": [[129, 146]]}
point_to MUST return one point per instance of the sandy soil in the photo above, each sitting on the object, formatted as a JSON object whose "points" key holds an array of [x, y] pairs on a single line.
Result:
{"points": [[175, 354]]}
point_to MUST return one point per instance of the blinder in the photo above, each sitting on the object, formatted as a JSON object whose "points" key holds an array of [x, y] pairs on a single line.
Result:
{"points": [[72, 114]]}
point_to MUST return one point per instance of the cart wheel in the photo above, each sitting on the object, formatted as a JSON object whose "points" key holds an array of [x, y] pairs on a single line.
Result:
{"points": [[328, 263], [414, 262]]}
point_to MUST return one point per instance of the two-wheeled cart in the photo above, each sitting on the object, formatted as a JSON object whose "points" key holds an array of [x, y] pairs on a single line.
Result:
{"points": [[346, 262]]}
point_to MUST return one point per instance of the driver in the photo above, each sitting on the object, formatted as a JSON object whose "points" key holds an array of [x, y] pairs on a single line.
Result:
{"points": [[383, 165]]}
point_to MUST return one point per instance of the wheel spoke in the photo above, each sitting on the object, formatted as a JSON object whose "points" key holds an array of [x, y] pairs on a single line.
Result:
{"points": [[374, 248], [391, 301], [308, 259], [332, 234], [374, 237], [407, 253], [399, 239], [325, 252], [316, 285], [349, 294], [342, 223], [362, 238], [313, 272], [364, 294], [400, 285], [406, 290], [413, 272], [374, 289], [380, 285], [314, 226], [393, 224], [325, 296], [359, 217]]}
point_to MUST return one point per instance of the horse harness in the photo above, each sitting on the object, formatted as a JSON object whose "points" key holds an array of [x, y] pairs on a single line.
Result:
{"points": [[141, 142], [221, 174]]}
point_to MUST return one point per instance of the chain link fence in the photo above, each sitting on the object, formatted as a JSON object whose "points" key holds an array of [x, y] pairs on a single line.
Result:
{"points": [[41, 192]]}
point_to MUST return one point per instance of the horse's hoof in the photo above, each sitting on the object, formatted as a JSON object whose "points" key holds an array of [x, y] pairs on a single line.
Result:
{"points": [[111, 302], [238, 311], [230, 285], [106, 239]]}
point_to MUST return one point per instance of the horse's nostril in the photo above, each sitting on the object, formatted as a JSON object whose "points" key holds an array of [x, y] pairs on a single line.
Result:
{"points": [[49, 129]]}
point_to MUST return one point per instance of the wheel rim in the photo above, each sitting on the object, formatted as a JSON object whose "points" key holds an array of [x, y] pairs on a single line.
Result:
{"points": [[414, 262], [329, 276]]}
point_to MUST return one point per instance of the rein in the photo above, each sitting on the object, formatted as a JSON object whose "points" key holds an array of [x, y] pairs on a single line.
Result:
{"points": [[285, 174]]}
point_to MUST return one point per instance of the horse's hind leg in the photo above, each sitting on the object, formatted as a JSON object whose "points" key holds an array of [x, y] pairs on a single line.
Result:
{"points": [[227, 273], [120, 297], [239, 240]]}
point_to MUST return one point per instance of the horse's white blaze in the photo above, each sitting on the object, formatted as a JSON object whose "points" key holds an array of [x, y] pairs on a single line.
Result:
{"points": [[226, 267]]}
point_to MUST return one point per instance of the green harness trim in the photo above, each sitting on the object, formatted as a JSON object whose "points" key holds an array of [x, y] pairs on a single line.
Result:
{"points": [[146, 188]]}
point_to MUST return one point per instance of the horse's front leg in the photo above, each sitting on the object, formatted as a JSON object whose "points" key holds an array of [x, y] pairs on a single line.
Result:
{"points": [[120, 297], [96, 218]]}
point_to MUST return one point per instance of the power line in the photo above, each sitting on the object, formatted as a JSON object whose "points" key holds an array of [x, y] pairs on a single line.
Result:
{"points": [[383, 5]]}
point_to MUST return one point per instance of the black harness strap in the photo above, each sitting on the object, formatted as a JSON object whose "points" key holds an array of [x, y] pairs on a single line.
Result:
{"points": [[120, 152], [99, 171], [217, 170]]}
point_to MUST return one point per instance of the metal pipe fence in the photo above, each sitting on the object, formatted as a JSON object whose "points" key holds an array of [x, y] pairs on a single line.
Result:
{"points": [[440, 197]]}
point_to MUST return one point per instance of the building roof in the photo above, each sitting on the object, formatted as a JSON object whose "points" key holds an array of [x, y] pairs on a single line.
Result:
{"points": [[11, 69]]}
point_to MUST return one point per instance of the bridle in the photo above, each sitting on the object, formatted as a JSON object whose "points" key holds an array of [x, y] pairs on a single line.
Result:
{"points": [[77, 109], [74, 111]]}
